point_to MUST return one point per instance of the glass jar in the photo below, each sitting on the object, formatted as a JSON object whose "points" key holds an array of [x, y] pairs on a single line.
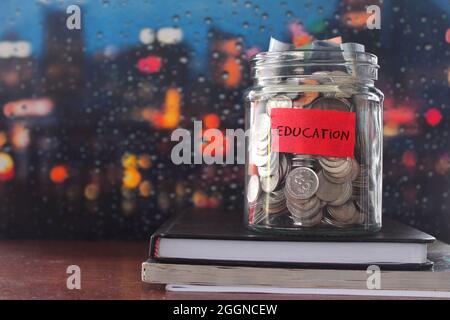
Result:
{"points": [[314, 150]]}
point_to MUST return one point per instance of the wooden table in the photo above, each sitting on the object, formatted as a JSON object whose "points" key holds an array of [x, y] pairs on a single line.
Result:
{"points": [[109, 270]]}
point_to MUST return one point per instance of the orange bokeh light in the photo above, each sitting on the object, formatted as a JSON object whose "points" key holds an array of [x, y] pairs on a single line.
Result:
{"points": [[145, 189], [131, 178], [233, 70], [92, 191], [169, 117], [6, 167], [356, 19], [59, 174], [3, 138], [301, 40], [211, 120], [231, 47], [129, 160], [20, 136], [144, 161]]}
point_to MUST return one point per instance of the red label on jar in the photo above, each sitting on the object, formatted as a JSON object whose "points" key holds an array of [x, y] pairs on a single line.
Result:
{"points": [[311, 131]]}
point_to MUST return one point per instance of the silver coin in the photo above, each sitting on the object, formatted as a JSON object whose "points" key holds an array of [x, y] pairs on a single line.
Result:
{"points": [[304, 205], [304, 213], [345, 166], [331, 162], [328, 191], [280, 101], [270, 166], [339, 104], [262, 146], [259, 160], [309, 222], [274, 207], [277, 195], [345, 195], [262, 126], [330, 221], [270, 183], [302, 183], [299, 156], [338, 180], [355, 170], [359, 218], [345, 170], [344, 213], [253, 189]]}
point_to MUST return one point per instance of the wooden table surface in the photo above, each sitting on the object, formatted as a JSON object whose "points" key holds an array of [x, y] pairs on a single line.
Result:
{"points": [[109, 270]]}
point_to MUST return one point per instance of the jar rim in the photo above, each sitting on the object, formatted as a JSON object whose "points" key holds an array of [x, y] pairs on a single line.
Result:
{"points": [[304, 62], [322, 55]]}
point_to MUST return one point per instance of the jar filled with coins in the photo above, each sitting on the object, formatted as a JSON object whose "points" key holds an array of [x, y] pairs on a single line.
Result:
{"points": [[314, 121]]}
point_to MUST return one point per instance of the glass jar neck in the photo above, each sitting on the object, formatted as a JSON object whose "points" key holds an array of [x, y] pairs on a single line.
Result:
{"points": [[317, 80], [318, 67]]}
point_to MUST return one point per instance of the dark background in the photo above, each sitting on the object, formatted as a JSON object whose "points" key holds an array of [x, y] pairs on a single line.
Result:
{"points": [[86, 115]]}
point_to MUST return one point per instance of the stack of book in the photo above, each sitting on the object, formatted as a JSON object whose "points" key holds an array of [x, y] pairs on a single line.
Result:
{"points": [[204, 250]]}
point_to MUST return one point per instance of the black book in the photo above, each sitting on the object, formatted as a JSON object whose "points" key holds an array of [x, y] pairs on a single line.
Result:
{"points": [[217, 237]]}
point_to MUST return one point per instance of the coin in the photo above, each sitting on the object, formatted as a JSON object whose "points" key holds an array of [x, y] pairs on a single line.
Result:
{"points": [[298, 156], [309, 222], [302, 183], [343, 166], [359, 218], [328, 191], [271, 166], [279, 101], [262, 126], [253, 189], [331, 162], [304, 205], [345, 195], [355, 170], [339, 104], [344, 213], [259, 160], [274, 202], [270, 183], [306, 97], [301, 213]]}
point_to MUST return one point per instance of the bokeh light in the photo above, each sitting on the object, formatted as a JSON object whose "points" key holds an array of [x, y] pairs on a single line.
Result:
{"points": [[150, 64], [145, 189], [6, 167], [92, 191], [131, 178], [211, 120], [433, 116], [409, 159], [59, 173]]}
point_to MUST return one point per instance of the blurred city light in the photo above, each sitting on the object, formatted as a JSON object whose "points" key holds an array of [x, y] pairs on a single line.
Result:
{"points": [[14, 49], [433, 116], [59, 174], [169, 116], [28, 108], [131, 178], [6, 167]]}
